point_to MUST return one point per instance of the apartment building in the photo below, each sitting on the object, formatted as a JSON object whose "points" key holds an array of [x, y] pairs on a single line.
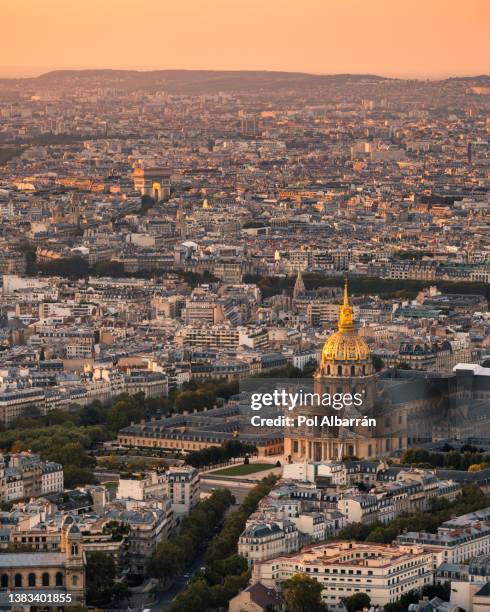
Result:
{"points": [[15, 402], [456, 540], [149, 523], [182, 486], [223, 337], [384, 572], [141, 486], [263, 540], [24, 475], [467, 581]]}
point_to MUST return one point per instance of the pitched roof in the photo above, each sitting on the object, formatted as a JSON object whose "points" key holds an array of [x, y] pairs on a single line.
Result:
{"points": [[263, 596]]}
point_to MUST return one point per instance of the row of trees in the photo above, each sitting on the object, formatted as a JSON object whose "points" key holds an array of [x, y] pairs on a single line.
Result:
{"points": [[77, 267], [197, 396], [226, 572], [470, 459], [9, 152], [219, 454], [386, 287], [171, 556], [469, 500]]}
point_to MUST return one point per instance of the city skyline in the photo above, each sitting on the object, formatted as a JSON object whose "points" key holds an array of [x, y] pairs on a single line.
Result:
{"points": [[244, 306], [406, 41]]}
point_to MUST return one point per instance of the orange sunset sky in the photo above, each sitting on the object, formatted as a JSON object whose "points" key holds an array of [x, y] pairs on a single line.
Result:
{"points": [[414, 38]]}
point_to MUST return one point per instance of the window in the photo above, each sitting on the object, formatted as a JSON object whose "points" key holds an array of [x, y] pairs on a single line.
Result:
{"points": [[59, 579], [45, 579], [18, 580], [4, 582], [32, 580]]}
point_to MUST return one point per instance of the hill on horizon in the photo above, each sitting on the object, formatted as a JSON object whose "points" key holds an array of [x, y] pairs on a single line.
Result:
{"points": [[195, 81], [180, 81]]}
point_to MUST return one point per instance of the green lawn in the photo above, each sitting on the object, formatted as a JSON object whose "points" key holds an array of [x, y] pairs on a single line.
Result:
{"points": [[243, 470]]}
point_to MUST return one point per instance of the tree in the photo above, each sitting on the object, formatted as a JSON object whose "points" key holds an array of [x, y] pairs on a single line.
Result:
{"points": [[383, 535], [310, 368], [123, 413], [196, 597], [477, 467], [71, 453], [18, 447], [378, 363], [77, 476], [219, 454], [100, 573], [414, 455], [168, 561], [226, 573], [194, 400], [401, 605], [113, 269], [357, 602], [147, 202], [355, 531], [394, 607], [403, 365], [302, 594], [71, 267], [120, 592], [29, 251], [234, 565], [443, 591]]}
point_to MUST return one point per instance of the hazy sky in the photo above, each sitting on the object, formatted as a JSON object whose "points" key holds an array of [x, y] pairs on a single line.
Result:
{"points": [[393, 37]]}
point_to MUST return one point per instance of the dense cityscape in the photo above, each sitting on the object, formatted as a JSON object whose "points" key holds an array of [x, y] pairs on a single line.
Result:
{"points": [[170, 239]]}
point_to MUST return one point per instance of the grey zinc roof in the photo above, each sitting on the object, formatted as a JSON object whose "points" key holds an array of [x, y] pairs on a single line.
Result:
{"points": [[31, 559]]}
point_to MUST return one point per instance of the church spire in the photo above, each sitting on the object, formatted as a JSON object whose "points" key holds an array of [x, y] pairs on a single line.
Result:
{"points": [[299, 285], [346, 323]]}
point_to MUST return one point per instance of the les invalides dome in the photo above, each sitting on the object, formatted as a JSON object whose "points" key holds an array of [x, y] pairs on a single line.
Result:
{"points": [[345, 345]]}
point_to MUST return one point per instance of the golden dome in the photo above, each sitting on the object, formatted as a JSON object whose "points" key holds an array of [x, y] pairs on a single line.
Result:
{"points": [[345, 345]]}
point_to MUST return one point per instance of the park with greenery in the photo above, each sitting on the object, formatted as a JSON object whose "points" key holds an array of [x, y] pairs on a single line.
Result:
{"points": [[71, 436]]}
